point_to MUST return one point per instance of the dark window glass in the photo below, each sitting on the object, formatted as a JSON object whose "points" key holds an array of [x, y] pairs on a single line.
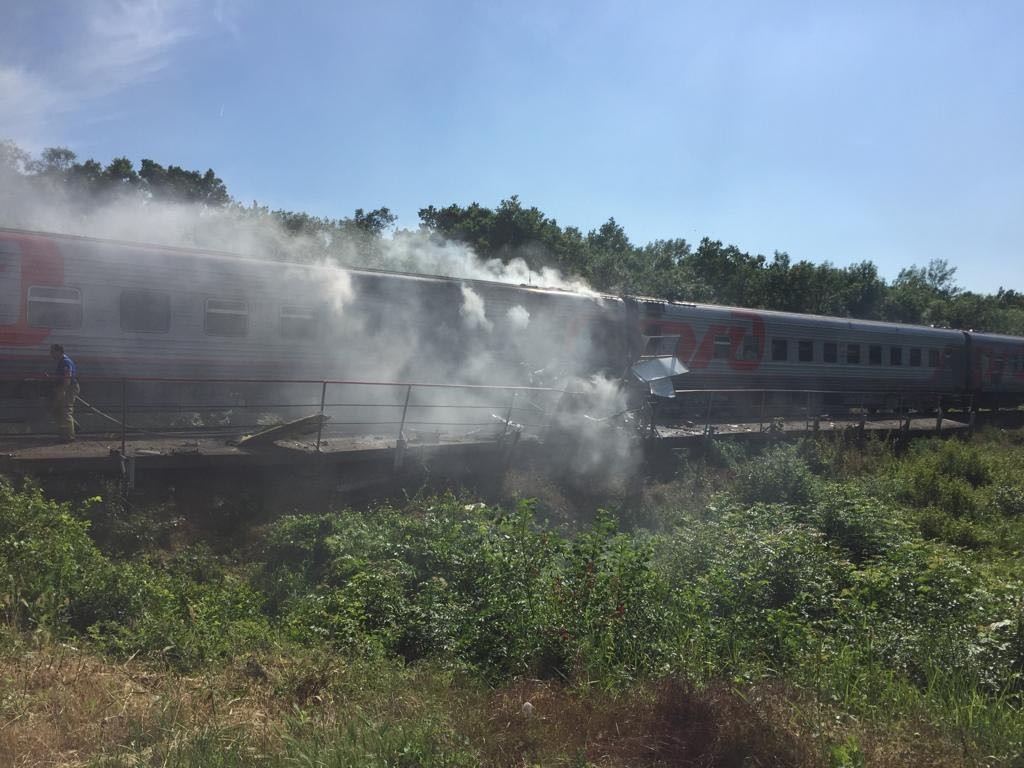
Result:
{"points": [[226, 318], [915, 357], [830, 352], [780, 350], [299, 323], [895, 355], [853, 354], [54, 307], [722, 347], [749, 348], [874, 354], [145, 311], [933, 358], [805, 351]]}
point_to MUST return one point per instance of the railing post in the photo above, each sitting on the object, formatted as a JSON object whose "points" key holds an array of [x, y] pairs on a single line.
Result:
{"points": [[938, 414], [320, 426], [405, 410], [971, 415], [707, 416], [760, 420], [124, 414], [863, 411], [807, 413], [508, 416], [400, 442]]}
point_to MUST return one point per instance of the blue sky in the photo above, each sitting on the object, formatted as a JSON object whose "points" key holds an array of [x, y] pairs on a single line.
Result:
{"points": [[889, 131]]}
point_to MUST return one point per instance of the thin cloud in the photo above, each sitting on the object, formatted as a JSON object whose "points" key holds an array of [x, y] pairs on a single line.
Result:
{"points": [[115, 44]]}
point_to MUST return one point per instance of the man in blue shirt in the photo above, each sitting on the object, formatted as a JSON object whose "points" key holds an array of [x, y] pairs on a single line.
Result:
{"points": [[66, 389]]}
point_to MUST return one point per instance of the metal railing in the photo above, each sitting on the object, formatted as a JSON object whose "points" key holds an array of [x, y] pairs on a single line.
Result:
{"points": [[224, 407], [183, 407], [821, 404]]}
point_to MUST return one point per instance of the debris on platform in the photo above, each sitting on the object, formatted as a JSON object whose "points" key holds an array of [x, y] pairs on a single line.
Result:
{"points": [[305, 426]]}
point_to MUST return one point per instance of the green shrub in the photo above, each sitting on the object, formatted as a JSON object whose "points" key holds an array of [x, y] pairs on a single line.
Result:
{"points": [[863, 526], [476, 586], [944, 475], [1006, 500], [921, 604], [45, 552], [134, 608], [939, 525], [777, 476]]}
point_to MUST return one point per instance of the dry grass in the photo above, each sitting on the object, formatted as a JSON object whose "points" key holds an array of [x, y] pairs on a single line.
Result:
{"points": [[668, 724], [64, 707]]}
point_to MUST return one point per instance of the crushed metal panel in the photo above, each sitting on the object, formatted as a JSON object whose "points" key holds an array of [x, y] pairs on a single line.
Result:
{"points": [[304, 426], [657, 373], [663, 388]]}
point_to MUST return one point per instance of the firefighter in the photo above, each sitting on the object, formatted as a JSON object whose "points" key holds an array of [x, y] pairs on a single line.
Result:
{"points": [[65, 390]]}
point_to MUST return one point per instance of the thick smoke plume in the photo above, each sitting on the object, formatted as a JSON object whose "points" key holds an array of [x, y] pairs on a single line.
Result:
{"points": [[403, 330]]}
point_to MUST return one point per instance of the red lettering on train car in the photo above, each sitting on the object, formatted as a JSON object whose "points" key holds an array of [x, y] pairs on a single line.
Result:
{"points": [[41, 264], [739, 359], [742, 357]]}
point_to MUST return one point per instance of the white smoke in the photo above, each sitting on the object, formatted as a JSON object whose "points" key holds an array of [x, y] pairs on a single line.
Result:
{"points": [[418, 252], [597, 421], [518, 317], [472, 310], [386, 329]]}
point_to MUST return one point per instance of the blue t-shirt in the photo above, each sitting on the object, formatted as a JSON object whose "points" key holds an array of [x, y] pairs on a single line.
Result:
{"points": [[67, 364]]}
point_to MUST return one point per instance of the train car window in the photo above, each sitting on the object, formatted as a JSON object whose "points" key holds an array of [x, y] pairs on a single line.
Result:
{"points": [[749, 347], [145, 311], [853, 354], [874, 354], [50, 307], [780, 350], [915, 357], [299, 323], [805, 351], [895, 355], [830, 352], [226, 318], [933, 358], [722, 347]]}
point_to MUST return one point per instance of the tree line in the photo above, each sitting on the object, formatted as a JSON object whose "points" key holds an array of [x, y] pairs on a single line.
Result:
{"points": [[675, 269]]}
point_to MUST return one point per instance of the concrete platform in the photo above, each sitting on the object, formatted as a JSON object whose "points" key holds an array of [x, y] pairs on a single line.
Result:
{"points": [[35, 454], [102, 453]]}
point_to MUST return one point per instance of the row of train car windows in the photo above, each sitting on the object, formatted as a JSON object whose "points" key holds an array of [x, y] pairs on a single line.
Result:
{"points": [[830, 352], [144, 311]]}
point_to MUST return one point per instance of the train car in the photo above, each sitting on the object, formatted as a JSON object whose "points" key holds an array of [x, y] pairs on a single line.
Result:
{"points": [[154, 312], [147, 311], [841, 361], [996, 369]]}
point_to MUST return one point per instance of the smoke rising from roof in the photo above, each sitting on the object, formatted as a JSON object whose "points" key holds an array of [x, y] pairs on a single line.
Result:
{"points": [[372, 326]]}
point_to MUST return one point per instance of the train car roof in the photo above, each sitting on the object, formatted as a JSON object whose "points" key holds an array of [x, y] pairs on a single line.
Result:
{"points": [[996, 338], [850, 323], [244, 258]]}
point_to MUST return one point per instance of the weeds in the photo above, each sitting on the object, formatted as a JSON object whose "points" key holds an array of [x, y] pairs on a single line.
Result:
{"points": [[882, 591]]}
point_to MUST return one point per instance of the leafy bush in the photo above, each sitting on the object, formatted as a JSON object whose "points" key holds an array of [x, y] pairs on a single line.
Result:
{"points": [[484, 588], [921, 604], [777, 476], [44, 553], [863, 526], [944, 476], [134, 608]]}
